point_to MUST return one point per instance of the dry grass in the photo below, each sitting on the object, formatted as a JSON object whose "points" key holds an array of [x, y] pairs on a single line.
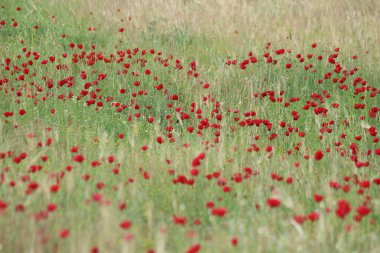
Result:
{"points": [[348, 23]]}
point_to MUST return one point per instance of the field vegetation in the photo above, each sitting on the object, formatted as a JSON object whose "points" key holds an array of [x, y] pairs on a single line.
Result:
{"points": [[189, 126]]}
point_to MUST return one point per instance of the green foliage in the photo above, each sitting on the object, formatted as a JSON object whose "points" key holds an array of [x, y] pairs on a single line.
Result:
{"points": [[125, 163]]}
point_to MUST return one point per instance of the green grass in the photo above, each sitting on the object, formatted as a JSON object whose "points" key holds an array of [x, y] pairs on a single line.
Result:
{"points": [[152, 202]]}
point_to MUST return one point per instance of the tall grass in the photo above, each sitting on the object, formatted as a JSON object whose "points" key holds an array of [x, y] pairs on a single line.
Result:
{"points": [[210, 33]]}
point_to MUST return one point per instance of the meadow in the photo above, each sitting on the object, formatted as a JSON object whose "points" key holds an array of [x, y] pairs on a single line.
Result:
{"points": [[189, 126]]}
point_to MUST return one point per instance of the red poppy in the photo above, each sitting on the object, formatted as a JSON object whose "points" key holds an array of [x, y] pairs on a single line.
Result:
{"points": [[318, 197], [234, 241], [78, 158], [194, 249], [363, 210], [273, 202], [125, 224], [314, 216], [219, 211], [179, 220], [3, 205], [343, 208], [64, 233], [318, 155]]}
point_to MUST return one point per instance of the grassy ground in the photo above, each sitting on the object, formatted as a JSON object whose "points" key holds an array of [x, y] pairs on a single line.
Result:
{"points": [[189, 126]]}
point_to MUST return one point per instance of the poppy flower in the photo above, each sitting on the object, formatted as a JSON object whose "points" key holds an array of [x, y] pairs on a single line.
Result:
{"points": [[78, 158], [194, 249], [363, 210], [343, 208], [125, 224], [318, 155], [314, 216], [179, 220], [234, 241], [318, 197], [273, 202], [3, 205], [64, 233], [219, 211]]}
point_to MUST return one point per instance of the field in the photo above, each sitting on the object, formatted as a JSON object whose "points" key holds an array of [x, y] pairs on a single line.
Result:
{"points": [[189, 126]]}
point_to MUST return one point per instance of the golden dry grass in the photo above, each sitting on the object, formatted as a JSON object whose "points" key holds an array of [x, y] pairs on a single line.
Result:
{"points": [[347, 24]]}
